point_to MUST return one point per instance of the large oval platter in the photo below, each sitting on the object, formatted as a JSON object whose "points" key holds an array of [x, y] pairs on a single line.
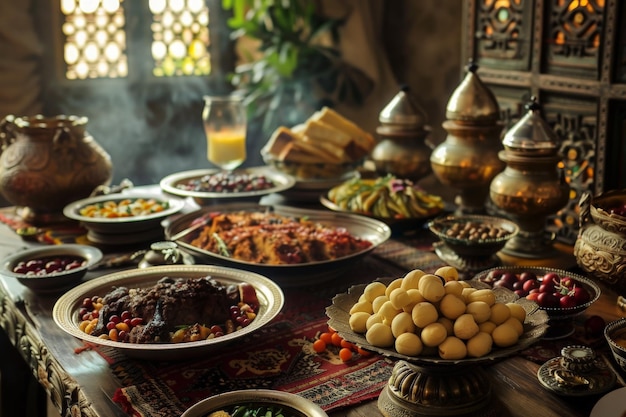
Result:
{"points": [[535, 326], [65, 311], [290, 275], [171, 184]]}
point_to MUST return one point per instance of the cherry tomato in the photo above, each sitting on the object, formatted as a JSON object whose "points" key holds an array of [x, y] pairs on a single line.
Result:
{"points": [[345, 354], [319, 346]]}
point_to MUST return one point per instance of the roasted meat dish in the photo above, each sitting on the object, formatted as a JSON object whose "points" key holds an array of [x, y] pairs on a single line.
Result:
{"points": [[170, 303], [273, 239]]}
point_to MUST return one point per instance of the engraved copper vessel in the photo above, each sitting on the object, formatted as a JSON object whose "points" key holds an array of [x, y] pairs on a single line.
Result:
{"points": [[531, 187], [402, 149], [48, 162], [600, 247], [468, 158]]}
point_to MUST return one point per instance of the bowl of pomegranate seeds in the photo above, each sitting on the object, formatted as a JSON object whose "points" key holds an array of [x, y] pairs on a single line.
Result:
{"points": [[51, 268], [562, 294]]}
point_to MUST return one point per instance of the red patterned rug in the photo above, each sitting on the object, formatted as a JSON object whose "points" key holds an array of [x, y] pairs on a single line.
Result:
{"points": [[279, 357]]}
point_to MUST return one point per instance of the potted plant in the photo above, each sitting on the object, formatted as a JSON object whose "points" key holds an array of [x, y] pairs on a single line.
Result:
{"points": [[291, 65]]}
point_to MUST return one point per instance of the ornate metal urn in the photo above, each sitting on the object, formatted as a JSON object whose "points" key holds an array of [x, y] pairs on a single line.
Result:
{"points": [[531, 187], [48, 162], [402, 150], [468, 158]]}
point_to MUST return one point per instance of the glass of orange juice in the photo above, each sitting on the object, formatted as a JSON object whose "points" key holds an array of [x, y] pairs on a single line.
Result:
{"points": [[225, 125]]}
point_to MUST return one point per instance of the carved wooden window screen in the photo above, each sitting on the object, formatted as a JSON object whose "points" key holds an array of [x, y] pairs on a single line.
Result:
{"points": [[571, 54]]}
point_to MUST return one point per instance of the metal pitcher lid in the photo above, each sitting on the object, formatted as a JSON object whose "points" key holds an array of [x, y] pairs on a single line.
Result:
{"points": [[531, 133], [472, 101], [403, 111]]}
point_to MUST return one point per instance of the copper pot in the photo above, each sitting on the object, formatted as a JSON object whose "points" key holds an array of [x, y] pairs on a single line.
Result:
{"points": [[48, 162]]}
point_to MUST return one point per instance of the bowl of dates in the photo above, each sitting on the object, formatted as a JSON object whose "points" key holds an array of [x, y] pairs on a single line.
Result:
{"points": [[207, 186], [473, 235], [562, 294], [255, 402], [51, 268], [169, 312]]}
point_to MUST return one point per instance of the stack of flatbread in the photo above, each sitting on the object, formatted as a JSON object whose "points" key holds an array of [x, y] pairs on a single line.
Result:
{"points": [[326, 137]]}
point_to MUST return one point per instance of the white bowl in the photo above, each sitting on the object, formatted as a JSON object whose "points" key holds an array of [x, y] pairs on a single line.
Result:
{"points": [[296, 405]]}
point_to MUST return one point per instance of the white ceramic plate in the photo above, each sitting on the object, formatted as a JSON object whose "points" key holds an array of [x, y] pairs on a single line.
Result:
{"points": [[65, 311], [300, 406], [170, 185], [122, 225], [363, 227], [612, 404]]}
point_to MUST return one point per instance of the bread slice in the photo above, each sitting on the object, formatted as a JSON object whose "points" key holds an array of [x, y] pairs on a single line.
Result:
{"points": [[361, 138], [279, 141], [319, 131], [316, 148]]}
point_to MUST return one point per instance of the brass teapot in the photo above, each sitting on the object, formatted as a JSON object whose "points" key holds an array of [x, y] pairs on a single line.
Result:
{"points": [[48, 162]]}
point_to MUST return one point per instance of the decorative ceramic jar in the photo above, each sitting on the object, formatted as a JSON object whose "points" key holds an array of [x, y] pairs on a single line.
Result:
{"points": [[468, 158], [531, 187], [401, 149], [48, 162], [600, 247]]}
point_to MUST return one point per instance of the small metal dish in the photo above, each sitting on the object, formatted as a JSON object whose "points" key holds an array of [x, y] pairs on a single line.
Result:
{"points": [[292, 404], [468, 247], [55, 281]]}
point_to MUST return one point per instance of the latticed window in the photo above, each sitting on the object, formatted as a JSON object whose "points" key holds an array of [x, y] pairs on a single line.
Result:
{"points": [[103, 38], [570, 54]]}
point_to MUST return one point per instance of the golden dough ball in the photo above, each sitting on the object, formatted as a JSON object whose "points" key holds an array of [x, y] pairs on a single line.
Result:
{"points": [[448, 273], [487, 327], [380, 335], [374, 318], [505, 335], [453, 287], [378, 301], [479, 345], [467, 291], [517, 311], [402, 323], [412, 279], [431, 288], [448, 324], [361, 298], [433, 334], [358, 321], [465, 327], [480, 310], [499, 313], [452, 306], [365, 306], [515, 323], [388, 311], [486, 294], [423, 314], [396, 283], [452, 348], [400, 298], [373, 290], [416, 297], [409, 344], [466, 284]]}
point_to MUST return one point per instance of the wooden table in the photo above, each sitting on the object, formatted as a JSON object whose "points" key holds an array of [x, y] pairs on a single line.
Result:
{"points": [[44, 363]]}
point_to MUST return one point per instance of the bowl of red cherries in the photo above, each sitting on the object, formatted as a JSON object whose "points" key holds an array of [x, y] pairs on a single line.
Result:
{"points": [[562, 294], [53, 268]]}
